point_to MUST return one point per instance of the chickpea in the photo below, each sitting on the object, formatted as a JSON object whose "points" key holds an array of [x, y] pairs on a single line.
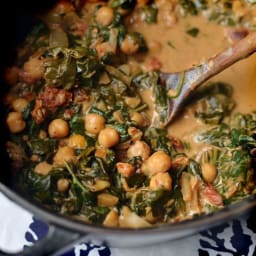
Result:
{"points": [[139, 148], [19, 104], [105, 16], [62, 185], [209, 172], [125, 169], [77, 141], [58, 128], [64, 154], [108, 137], [129, 46], [43, 168], [15, 122], [137, 118], [94, 123], [157, 163], [161, 180], [34, 68]]}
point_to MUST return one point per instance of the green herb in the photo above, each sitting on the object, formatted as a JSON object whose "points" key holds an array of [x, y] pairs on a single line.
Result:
{"points": [[170, 93], [88, 70], [77, 124], [160, 101], [137, 180], [193, 32], [194, 168], [139, 204], [150, 80], [42, 146], [218, 136], [60, 72], [137, 38], [157, 139], [193, 7], [122, 130], [149, 13], [234, 169], [215, 103], [145, 80], [228, 4], [95, 214], [39, 186], [213, 109], [124, 4], [118, 74], [77, 198], [75, 179], [189, 6], [169, 43]]}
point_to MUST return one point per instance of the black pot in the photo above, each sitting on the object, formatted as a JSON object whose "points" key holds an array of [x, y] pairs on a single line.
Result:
{"points": [[65, 231]]}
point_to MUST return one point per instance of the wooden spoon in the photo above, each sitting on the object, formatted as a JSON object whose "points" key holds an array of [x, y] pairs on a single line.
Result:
{"points": [[181, 85]]}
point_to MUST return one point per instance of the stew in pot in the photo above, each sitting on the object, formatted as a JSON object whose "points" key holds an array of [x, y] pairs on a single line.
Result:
{"points": [[79, 111]]}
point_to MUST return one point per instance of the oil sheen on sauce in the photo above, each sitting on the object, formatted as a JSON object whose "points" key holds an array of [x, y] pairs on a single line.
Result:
{"points": [[177, 50]]}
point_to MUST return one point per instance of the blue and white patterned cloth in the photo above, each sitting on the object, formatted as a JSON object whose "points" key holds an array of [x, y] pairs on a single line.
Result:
{"points": [[19, 228]]}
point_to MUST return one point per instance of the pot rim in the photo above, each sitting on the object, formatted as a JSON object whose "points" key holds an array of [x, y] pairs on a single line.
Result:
{"points": [[196, 223]]}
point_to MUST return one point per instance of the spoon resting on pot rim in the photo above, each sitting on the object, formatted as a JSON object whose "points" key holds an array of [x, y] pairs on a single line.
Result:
{"points": [[181, 85]]}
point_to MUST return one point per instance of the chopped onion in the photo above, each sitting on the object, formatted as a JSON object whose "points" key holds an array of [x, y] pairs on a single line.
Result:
{"points": [[129, 219]]}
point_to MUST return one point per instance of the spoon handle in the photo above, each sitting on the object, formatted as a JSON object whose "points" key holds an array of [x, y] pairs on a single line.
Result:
{"points": [[221, 61], [195, 76]]}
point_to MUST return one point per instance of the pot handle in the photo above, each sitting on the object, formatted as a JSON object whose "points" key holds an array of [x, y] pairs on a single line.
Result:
{"points": [[57, 242], [56, 239]]}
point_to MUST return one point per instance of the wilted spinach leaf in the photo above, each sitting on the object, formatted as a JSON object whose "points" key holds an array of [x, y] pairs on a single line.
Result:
{"points": [[149, 13], [157, 139], [77, 125], [61, 71], [39, 186], [42, 146]]}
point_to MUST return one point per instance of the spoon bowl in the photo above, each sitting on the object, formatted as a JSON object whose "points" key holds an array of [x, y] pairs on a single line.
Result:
{"points": [[181, 85]]}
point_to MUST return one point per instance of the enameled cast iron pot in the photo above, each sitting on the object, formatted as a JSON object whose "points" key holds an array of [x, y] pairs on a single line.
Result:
{"points": [[64, 231]]}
